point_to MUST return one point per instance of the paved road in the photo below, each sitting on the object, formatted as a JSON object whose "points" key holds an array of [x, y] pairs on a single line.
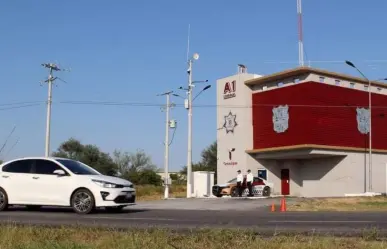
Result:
{"points": [[241, 204], [262, 221]]}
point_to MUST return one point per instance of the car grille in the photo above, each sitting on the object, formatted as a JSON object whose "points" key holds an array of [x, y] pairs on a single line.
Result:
{"points": [[125, 199]]}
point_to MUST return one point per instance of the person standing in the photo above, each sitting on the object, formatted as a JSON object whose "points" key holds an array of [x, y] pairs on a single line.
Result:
{"points": [[249, 182], [239, 183]]}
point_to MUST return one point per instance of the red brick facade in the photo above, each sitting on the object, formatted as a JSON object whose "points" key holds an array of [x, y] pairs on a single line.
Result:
{"points": [[333, 126]]}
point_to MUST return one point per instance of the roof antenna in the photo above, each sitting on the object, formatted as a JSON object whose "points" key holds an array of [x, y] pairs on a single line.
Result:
{"points": [[189, 32], [300, 35]]}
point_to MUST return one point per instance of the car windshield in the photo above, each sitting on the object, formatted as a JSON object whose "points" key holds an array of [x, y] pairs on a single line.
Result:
{"points": [[77, 168]]}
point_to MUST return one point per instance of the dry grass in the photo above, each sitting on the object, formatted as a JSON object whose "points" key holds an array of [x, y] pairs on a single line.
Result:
{"points": [[150, 192], [12, 237], [378, 203]]}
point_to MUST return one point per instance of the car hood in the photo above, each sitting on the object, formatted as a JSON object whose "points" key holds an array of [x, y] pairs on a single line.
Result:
{"points": [[110, 179]]}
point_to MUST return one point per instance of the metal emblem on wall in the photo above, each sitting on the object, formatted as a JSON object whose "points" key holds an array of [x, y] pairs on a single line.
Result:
{"points": [[230, 122], [230, 162], [363, 120], [281, 118]]}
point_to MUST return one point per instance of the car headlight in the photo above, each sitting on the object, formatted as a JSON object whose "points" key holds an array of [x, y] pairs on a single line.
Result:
{"points": [[104, 184]]}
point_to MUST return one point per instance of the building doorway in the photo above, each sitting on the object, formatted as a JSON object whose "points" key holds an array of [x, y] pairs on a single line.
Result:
{"points": [[285, 182]]}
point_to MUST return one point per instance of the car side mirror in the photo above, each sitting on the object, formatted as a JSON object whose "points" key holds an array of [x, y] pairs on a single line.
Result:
{"points": [[59, 172]]}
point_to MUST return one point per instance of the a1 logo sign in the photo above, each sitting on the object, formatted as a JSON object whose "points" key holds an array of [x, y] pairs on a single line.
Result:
{"points": [[229, 90]]}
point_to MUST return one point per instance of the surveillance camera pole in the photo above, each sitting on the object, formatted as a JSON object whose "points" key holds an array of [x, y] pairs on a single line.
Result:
{"points": [[189, 149]]}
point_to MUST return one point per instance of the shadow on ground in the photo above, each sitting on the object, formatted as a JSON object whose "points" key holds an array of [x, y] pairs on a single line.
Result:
{"points": [[70, 210]]}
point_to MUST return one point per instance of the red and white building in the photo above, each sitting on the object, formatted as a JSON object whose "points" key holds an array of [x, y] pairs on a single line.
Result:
{"points": [[304, 129]]}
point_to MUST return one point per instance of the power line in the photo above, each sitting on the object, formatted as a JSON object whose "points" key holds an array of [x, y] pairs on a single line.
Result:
{"points": [[18, 107], [212, 105], [22, 103], [147, 104]]}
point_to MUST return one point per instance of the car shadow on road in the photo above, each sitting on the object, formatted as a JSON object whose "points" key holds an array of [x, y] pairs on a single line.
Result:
{"points": [[70, 210]]}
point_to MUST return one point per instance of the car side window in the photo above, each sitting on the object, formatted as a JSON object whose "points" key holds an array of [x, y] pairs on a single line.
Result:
{"points": [[20, 166], [45, 167]]}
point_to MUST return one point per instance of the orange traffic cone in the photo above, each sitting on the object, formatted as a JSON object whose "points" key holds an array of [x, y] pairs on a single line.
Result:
{"points": [[273, 207], [283, 204]]}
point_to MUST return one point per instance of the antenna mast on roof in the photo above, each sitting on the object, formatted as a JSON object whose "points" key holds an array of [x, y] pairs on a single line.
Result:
{"points": [[242, 69], [300, 35]]}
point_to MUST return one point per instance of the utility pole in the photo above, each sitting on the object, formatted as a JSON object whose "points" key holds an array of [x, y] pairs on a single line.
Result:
{"points": [[166, 143], [51, 67]]}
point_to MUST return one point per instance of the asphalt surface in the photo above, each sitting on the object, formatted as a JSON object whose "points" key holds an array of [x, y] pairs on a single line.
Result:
{"points": [[259, 218], [220, 204]]}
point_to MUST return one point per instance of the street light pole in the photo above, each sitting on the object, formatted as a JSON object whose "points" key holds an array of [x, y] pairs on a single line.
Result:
{"points": [[370, 126]]}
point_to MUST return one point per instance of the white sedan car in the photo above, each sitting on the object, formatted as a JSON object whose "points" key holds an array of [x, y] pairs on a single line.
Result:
{"points": [[41, 181]]}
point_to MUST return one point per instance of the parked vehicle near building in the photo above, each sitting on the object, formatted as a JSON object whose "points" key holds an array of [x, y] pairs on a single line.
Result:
{"points": [[261, 187]]}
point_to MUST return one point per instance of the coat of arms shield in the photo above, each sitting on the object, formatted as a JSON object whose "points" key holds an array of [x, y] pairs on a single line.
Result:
{"points": [[363, 120], [281, 118]]}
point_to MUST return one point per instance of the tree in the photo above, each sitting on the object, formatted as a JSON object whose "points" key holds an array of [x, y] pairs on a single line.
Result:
{"points": [[136, 167], [1, 161], [208, 162], [88, 154]]}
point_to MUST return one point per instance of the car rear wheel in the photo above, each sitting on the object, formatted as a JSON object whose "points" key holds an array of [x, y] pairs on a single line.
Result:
{"points": [[266, 191], [3, 200], [234, 192], [83, 202]]}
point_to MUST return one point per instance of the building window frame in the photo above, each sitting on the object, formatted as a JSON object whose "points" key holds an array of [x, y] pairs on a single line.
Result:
{"points": [[321, 79], [351, 85], [337, 82]]}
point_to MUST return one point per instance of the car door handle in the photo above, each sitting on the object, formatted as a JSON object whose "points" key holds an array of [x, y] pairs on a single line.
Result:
{"points": [[35, 177], [5, 176]]}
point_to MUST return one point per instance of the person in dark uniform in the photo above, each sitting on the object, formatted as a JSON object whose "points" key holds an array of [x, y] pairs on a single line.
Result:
{"points": [[249, 182], [239, 183]]}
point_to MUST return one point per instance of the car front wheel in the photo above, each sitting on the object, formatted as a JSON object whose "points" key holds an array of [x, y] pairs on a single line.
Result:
{"points": [[3, 200], [82, 201]]}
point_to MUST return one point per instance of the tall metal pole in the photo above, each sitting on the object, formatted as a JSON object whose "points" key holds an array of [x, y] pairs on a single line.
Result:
{"points": [[370, 126], [300, 34], [48, 121], [189, 149], [370, 138], [167, 122]]}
